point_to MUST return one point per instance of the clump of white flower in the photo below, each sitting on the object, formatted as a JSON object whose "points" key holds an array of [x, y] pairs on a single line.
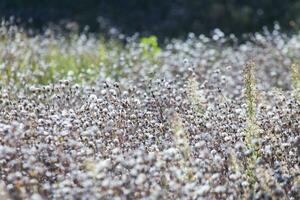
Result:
{"points": [[81, 119]]}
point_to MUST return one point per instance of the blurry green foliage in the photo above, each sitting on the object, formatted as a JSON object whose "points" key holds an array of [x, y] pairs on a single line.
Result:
{"points": [[150, 47], [55, 59]]}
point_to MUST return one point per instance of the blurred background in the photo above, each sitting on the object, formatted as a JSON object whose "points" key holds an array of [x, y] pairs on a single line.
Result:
{"points": [[163, 18]]}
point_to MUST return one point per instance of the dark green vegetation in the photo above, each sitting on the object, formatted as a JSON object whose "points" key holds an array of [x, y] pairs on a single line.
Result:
{"points": [[164, 18]]}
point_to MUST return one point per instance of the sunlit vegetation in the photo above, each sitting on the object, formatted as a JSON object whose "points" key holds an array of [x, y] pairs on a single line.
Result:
{"points": [[83, 117]]}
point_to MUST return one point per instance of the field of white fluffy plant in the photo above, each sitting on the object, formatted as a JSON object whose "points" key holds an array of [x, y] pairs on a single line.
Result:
{"points": [[83, 117]]}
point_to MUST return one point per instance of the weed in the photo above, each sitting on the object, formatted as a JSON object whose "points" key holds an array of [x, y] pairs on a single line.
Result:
{"points": [[182, 142], [150, 47], [295, 76], [252, 129], [194, 95]]}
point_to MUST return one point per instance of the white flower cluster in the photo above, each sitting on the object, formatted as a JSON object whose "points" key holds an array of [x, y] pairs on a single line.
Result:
{"points": [[135, 132]]}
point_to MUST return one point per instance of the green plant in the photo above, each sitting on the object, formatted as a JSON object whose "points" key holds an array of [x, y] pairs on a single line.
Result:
{"points": [[295, 75], [150, 47], [194, 95], [182, 143], [252, 129], [250, 91]]}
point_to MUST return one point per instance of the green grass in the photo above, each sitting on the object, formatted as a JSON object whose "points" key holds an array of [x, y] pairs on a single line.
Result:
{"points": [[56, 59]]}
